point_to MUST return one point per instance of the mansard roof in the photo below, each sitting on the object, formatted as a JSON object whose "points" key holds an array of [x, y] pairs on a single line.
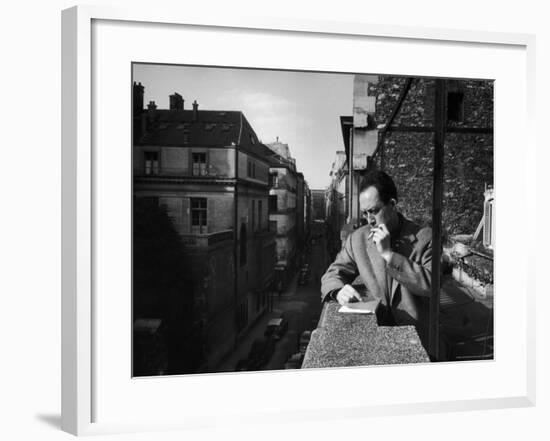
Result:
{"points": [[202, 128]]}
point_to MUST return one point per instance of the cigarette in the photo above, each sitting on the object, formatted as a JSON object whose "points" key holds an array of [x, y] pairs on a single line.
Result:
{"points": [[373, 231]]}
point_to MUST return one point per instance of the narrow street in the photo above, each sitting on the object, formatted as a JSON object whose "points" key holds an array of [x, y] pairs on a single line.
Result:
{"points": [[300, 305]]}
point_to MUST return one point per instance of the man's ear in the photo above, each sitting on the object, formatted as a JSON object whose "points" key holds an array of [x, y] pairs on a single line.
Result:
{"points": [[393, 202]]}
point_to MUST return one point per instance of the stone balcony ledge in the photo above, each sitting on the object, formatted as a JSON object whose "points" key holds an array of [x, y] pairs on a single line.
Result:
{"points": [[343, 340]]}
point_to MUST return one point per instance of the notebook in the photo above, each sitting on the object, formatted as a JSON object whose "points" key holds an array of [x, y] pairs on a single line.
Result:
{"points": [[360, 307]]}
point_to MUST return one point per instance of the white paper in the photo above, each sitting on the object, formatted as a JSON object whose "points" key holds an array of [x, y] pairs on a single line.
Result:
{"points": [[360, 307]]}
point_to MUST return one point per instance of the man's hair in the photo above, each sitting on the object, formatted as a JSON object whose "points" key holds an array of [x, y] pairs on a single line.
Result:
{"points": [[382, 182]]}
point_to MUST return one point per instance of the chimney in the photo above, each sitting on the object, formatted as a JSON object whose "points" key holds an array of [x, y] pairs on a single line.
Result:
{"points": [[195, 111], [138, 98], [176, 101], [151, 112]]}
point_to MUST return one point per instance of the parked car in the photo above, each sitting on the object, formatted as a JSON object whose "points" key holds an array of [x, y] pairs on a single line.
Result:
{"points": [[305, 337], [276, 328], [260, 352], [294, 361]]}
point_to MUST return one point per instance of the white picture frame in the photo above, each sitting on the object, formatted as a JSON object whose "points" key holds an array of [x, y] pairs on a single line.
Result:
{"points": [[89, 192]]}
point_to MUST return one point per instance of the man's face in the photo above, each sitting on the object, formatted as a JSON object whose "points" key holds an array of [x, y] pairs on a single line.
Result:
{"points": [[375, 211]]}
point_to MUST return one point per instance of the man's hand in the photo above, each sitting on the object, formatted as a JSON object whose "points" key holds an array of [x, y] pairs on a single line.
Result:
{"points": [[347, 294], [382, 239]]}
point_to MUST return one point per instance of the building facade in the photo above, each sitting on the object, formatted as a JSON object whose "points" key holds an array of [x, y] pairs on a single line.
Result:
{"points": [[286, 210], [210, 173]]}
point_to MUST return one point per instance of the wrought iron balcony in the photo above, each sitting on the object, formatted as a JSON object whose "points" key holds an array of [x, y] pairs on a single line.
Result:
{"points": [[179, 172]]}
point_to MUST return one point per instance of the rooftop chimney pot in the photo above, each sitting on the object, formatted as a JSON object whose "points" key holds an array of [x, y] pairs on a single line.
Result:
{"points": [[195, 111], [176, 102]]}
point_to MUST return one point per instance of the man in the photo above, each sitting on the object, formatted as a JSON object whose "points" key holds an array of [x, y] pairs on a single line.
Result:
{"points": [[392, 255]]}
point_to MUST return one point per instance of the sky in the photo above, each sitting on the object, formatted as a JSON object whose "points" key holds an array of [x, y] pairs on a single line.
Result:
{"points": [[303, 109]]}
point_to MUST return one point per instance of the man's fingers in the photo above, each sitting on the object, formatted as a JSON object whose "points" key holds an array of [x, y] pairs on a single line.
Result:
{"points": [[348, 295]]}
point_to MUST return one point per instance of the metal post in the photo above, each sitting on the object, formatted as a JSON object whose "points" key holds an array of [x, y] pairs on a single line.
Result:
{"points": [[350, 159], [440, 120]]}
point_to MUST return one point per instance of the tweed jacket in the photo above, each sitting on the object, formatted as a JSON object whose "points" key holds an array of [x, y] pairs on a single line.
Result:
{"points": [[403, 284]]}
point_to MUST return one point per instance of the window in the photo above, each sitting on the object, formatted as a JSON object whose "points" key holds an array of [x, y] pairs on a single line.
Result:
{"points": [[251, 169], [273, 202], [455, 106], [151, 163], [260, 215], [199, 164], [199, 218]]}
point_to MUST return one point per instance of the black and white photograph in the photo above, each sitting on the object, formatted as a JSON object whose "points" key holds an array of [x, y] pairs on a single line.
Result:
{"points": [[302, 220], [276, 220]]}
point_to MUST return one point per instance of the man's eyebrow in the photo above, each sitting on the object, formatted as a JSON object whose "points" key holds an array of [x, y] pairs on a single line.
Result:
{"points": [[371, 210]]}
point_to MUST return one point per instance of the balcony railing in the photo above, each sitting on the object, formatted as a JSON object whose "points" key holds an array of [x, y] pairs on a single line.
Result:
{"points": [[181, 172], [342, 340], [206, 240]]}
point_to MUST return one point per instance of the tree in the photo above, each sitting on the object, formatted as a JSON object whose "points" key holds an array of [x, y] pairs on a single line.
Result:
{"points": [[163, 286]]}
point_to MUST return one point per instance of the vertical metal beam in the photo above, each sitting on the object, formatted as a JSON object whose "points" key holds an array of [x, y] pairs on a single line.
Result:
{"points": [[350, 160], [440, 119]]}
